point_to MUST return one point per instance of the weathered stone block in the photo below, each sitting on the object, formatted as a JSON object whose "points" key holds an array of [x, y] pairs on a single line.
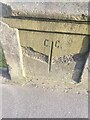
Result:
{"points": [[77, 11], [9, 40], [54, 39]]}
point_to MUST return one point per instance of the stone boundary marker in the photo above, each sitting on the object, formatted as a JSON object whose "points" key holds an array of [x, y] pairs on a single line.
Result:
{"points": [[45, 40]]}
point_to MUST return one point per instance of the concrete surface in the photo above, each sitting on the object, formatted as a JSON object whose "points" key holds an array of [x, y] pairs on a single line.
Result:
{"points": [[31, 102]]}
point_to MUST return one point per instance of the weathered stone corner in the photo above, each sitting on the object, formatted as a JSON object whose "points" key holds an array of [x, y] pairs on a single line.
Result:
{"points": [[9, 39]]}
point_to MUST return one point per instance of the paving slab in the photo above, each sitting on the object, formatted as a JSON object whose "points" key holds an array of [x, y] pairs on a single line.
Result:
{"points": [[31, 102]]}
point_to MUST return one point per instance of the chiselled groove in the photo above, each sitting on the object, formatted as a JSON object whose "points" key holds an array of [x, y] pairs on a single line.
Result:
{"points": [[49, 19], [50, 57], [53, 32]]}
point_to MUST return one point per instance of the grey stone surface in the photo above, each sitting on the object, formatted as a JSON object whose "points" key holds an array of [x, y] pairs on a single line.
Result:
{"points": [[10, 43], [56, 10]]}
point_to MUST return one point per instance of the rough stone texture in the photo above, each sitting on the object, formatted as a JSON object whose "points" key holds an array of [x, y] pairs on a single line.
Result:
{"points": [[10, 43], [65, 69], [48, 25], [55, 10]]}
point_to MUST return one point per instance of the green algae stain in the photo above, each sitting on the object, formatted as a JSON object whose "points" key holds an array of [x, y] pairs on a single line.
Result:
{"points": [[2, 58]]}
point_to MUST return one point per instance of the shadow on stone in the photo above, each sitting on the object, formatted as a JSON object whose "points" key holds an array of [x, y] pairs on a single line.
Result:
{"points": [[5, 10], [4, 70], [5, 73], [80, 60]]}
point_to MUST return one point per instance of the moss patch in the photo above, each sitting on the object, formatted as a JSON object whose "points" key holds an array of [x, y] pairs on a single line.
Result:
{"points": [[2, 58]]}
